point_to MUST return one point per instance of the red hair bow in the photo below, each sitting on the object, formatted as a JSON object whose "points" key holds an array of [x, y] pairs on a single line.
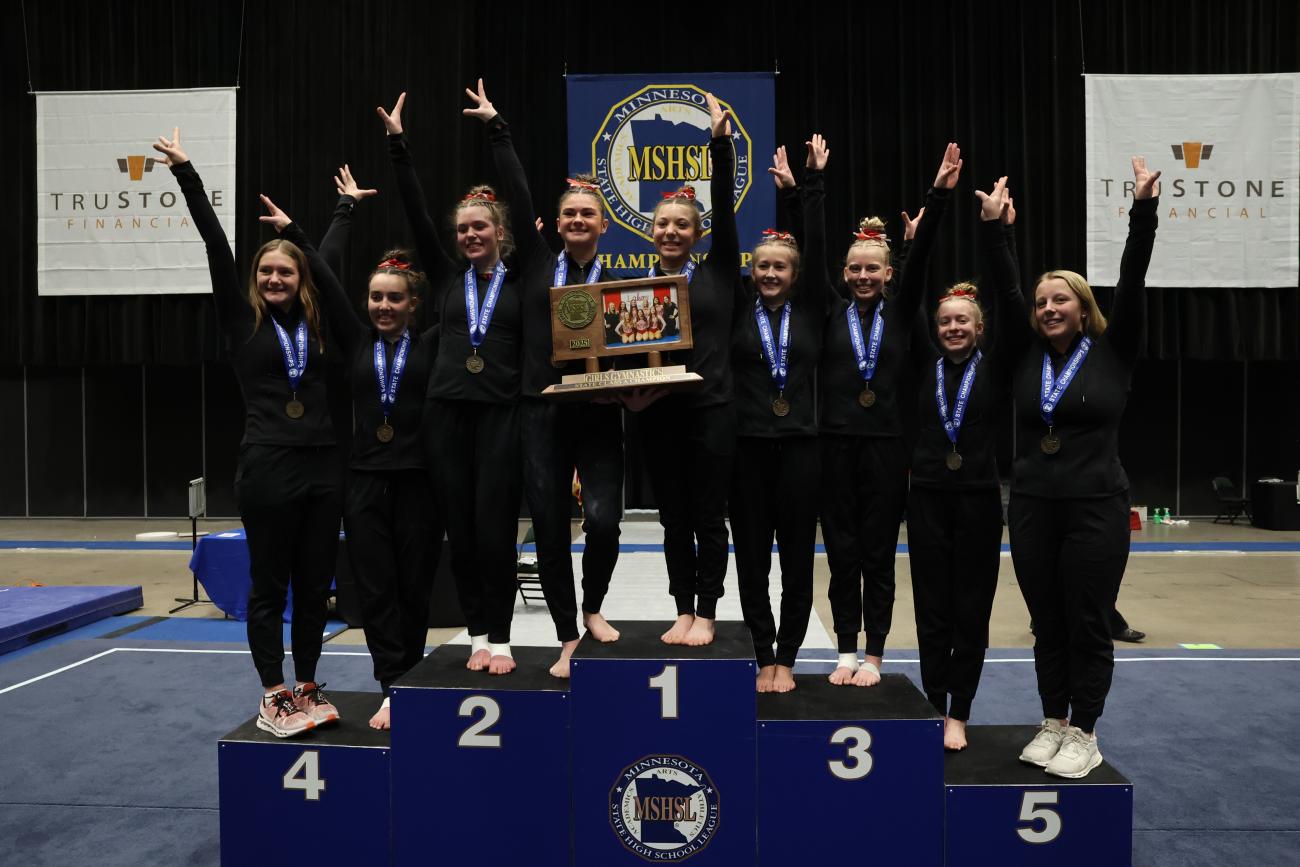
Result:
{"points": [[583, 185], [871, 235], [960, 293], [777, 236], [395, 264], [479, 196], [683, 193]]}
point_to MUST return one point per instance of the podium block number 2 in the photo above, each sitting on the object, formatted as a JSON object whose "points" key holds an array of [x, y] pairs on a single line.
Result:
{"points": [[310, 783], [477, 734], [857, 763], [666, 682], [1033, 808]]}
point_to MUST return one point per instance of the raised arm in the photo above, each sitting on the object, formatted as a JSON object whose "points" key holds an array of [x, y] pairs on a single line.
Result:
{"points": [[815, 285], [335, 242], [514, 183], [724, 254], [233, 313], [997, 214], [1128, 312], [912, 283], [437, 264], [789, 207]]}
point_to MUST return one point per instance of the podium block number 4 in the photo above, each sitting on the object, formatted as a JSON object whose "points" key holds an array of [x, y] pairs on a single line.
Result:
{"points": [[858, 763], [1033, 808], [666, 682], [310, 783], [477, 734]]}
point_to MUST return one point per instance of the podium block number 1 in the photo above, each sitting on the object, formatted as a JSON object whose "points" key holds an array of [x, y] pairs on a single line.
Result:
{"points": [[310, 783], [1033, 808], [666, 682], [477, 734], [859, 760]]}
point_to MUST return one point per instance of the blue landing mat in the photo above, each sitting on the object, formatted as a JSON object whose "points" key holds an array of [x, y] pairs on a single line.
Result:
{"points": [[28, 614]]}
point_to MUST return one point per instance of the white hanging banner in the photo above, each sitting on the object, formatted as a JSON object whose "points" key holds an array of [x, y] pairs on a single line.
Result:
{"points": [[111, 219], [1229, 150]]}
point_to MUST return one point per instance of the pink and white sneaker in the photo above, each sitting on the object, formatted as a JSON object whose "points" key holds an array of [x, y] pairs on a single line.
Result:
{"points": [[310, 699], [280, 716]]}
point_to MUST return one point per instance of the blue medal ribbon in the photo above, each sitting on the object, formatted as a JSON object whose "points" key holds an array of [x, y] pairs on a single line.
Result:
{"points": [[561, 277], [388, 384], [776, 355], [1053, 389], [688, 271], [295, 353], [952, 424], [867, 352], [480, 319]]}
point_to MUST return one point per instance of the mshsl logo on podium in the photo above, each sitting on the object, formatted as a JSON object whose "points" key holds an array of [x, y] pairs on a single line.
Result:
{"points": [[664, 808], [642, 138]]}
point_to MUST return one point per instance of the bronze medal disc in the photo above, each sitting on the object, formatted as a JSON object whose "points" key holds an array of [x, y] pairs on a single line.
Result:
{"points": [[953, 461], [384, 433], [294, 409], [1050, 444], [867, 398], [780, 407], [474, 364]]}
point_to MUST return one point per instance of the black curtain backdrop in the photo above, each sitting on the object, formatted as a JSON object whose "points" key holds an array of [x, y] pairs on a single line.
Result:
{"points": [[887, 84]]}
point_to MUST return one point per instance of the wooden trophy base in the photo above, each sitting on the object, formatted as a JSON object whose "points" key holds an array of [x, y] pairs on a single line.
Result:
{"points": [[608, 383]]}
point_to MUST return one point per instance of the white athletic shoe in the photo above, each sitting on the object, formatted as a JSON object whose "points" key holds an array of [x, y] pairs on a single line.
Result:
{"points": [[1078, 755], [1045, 744]]}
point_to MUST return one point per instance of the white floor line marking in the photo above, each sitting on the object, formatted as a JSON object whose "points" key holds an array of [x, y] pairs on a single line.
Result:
{"points": [[56, 671]]}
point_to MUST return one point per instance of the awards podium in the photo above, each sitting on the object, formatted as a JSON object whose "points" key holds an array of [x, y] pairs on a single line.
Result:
{"points": [[659, 753]]}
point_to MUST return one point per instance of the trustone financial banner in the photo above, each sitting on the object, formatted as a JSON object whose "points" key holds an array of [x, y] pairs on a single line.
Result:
{"points": [[111, 219], [1229, 150]]}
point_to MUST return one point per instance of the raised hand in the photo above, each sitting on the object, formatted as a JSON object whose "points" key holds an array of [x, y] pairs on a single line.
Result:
{"points": [[780, 170], [720, 118], [1145, 180], [171, 148], [992, 204], [276, 218], [1009, 212], [482, 108], [392, 120], [949, 168], [910, 224], [346, 186], [818, 153]]}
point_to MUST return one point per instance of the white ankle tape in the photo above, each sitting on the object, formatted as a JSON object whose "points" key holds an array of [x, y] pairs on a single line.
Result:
{"points": [[500, 649], [384, 704], [849, 661], [871, 667], [477, 643]]}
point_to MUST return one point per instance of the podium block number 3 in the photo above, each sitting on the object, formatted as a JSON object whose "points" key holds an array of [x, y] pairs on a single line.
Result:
{"points": [[666, 682], [310, 783], [477, 734], [1033, 808], [858, 763]]}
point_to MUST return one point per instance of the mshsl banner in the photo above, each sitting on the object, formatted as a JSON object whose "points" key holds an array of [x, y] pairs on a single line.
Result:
{"points": [[111, 219], [1229, 150], [644, 135]]}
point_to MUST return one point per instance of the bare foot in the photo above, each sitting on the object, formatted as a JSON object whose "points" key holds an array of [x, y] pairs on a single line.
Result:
{"points": [[561, 667], [501, 665], [783, 680], [701, 632], [869, 673], [676, 634], [841, 675], [954, 734], [599, 627], [763, 683], [381, 718], [478, 660]]}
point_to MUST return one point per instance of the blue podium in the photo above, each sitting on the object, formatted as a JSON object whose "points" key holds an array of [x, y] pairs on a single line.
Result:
{"points": [[869, 755], [1001, 811], [483, 768], [664, 758], [332, 782]]}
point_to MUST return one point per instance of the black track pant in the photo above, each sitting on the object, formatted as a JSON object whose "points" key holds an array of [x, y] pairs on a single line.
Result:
{"points": [[473, 454], [864, 493], [394, 539], [556, 439], [1070, 556], [289, 502], [688, 454], [774, 491], [953, 543]]}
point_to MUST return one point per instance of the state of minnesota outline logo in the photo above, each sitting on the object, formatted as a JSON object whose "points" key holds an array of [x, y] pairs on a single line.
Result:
{"points": [[664, 808], [654, 141]]}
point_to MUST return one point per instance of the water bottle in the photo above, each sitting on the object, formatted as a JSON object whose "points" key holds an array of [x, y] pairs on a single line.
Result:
{"points": [[1155, 515]]}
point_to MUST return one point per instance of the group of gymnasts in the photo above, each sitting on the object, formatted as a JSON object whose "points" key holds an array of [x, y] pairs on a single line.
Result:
{"points": [[641, 320], [797, 420]]}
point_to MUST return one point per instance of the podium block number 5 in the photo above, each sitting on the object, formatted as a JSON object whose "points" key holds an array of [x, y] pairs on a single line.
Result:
{"points": [[859, 755], [476, 735], [1033, 808], [310, 783], [666, 682]]}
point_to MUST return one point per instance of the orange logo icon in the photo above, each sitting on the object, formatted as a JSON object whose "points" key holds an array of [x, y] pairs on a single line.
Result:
{"points": [[136, 166], [1192, 152]]}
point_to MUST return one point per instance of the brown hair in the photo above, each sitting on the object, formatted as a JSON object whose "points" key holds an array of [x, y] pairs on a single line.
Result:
{"points": [[393, 263], [583, 185], [485, 197], [962, 292], [785, 241], [684, 195], [1094, 321], [306, 288], [870, 234]]}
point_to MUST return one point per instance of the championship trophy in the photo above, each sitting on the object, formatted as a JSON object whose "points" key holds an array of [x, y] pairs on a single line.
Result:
{"points": [[643, 317]]}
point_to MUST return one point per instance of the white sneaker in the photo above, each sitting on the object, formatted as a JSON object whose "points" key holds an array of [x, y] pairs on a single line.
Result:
{"points": [[1078, 755], [1045, 744]]}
